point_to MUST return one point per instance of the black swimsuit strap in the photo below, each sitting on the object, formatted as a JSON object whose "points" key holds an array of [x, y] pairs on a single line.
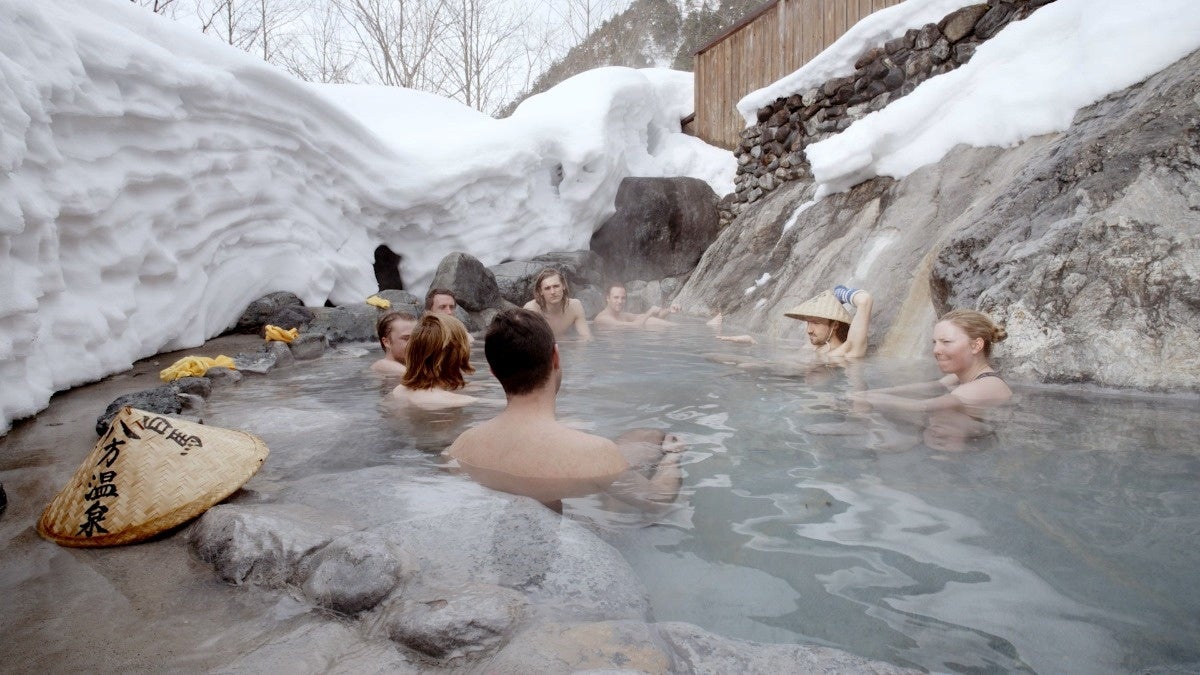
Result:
{"points": [[990, 373]]}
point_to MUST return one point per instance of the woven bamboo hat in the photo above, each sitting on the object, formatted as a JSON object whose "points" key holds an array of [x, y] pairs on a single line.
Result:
{"points": [[148, 474], [824, 306]]}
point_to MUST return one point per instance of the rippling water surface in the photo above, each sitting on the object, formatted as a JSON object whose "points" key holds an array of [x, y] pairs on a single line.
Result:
{"points": [[1064, 540]]}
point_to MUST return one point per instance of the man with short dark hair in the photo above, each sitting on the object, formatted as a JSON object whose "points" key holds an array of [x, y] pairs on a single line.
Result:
{"points": [[524, 450], [394, 330], [552, 299], [614, 315], [441, 301]]}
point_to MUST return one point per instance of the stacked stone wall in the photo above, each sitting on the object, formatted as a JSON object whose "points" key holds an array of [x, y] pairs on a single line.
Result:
{"points": [[772, 151]]}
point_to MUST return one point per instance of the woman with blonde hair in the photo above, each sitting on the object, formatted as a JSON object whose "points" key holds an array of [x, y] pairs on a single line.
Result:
{"points": [[962, 346], [438, 355]]}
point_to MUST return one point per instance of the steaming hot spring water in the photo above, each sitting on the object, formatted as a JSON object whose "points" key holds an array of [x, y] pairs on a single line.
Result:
{"points": [[1064, 541]]}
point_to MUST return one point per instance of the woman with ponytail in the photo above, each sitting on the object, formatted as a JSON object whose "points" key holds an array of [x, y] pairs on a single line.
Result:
{"points": [[962, 346]]}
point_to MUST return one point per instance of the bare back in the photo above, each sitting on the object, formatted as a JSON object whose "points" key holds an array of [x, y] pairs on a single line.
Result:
{"points": [[543, 460]]}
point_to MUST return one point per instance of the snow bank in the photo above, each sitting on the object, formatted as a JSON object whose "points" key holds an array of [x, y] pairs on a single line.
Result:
{"points": [[838, 58], [154, 181], [1030, 79]]}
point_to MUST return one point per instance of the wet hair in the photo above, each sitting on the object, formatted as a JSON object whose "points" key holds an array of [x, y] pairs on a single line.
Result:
{"points": [[438, 291], [520, 350], [544, 275], [977, 325], [384, 324], [438, 354]]}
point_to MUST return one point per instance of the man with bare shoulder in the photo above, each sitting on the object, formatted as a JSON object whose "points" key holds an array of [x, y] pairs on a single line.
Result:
{"points": [[524, 450], [552, 299], [394, 330], [614, 315]]}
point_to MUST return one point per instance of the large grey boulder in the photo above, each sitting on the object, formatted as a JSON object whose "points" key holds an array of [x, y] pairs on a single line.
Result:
{"points": [[660, 229], [164, 399], [260, 311], [348, 323], [517, 543], [515, 278], [352, 573], [1093, 264], [446, 624], [473, 284], [289, 317], [1082, 243], [403, 301], [258, 544]]}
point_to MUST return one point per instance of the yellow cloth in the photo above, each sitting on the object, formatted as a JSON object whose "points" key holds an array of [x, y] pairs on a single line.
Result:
{"points": [[194, 366], [379, 302], [280, 335]]}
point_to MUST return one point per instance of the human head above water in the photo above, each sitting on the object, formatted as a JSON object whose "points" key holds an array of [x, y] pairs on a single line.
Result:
{"points": [[520, 350], [825, 316], [383, 329], [442, 305], [615, 296], [544, 281], [977, 326], [438, 354]]}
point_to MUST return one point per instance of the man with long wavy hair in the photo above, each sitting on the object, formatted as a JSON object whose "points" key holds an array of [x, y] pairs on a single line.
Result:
{"points": [[552, 299]]}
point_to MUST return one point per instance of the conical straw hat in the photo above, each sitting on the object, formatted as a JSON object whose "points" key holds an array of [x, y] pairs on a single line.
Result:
{"points": [[148, 474], [824, 306]]}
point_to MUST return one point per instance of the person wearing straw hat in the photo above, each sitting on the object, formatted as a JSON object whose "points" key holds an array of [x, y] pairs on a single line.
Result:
{"points": [[832, 331]]}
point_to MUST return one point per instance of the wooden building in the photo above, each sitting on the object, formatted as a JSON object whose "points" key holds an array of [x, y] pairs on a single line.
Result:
{"points": [[773, 41]]}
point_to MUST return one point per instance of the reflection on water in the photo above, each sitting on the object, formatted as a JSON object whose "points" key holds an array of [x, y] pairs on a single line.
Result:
{"points": [[1059, 537]]}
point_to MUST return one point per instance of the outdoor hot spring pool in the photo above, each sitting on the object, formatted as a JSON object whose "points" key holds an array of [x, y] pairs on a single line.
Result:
{"points": [[1063, 542]]}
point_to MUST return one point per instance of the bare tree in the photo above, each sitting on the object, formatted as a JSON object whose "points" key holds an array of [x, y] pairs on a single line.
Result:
{"points": [[230, 20], [319, 52], [482, 52], [274, 17], [399, 38], [164, 7], [581, 18]]}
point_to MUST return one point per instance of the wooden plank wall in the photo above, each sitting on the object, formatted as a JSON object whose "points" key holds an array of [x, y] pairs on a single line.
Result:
{"points": [[780, 40]]}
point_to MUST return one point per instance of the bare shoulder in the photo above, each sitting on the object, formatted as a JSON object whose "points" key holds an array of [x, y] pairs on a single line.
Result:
{"points": [[600, 453], [388, 367], [988, 391], [574, 306], [532, 304]]}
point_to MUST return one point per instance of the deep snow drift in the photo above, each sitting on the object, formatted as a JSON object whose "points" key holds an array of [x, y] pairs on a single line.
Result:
{"points": [[153, 181], [1030, 79]]}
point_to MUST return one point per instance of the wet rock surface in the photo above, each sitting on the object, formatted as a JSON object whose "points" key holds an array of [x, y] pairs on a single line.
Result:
{"points": [[699, 651], [661, 228], [1082, 243], [472, 618], [351, 573], [473, 284]]}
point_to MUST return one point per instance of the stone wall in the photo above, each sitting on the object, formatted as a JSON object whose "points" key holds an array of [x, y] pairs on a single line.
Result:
{"points": [[772, 151]]}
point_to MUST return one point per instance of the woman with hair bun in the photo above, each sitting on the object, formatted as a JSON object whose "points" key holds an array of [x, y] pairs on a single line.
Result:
{"points": [[962, 346]]}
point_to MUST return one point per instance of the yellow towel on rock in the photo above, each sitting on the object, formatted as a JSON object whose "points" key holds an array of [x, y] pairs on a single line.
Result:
{"points": [[280, 335], [194, 366], [379, 302]]}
